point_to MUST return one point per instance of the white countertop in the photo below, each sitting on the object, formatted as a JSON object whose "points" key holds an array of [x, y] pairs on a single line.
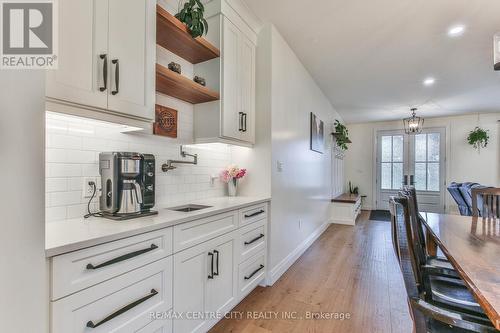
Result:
{"points": [[75, 234]]}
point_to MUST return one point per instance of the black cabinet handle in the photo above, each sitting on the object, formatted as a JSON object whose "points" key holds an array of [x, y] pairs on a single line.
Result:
{"points": [[126, 308], [123, 257], [254, 272], [211, 275], [240, 122], [117, 76], [255, 239], [255, 214], [216, 263], [244, 122], [104, 57]]}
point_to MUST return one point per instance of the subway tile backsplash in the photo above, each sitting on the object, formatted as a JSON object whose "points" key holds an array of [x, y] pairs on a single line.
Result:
{"points": [[72, 152]]}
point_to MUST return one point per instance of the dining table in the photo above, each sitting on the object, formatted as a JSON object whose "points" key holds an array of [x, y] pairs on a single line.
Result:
{"points": [[472, 245]]}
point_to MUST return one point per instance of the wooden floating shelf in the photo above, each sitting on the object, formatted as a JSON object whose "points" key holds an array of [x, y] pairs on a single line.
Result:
{"points": [[173, 35], [178, 86]]}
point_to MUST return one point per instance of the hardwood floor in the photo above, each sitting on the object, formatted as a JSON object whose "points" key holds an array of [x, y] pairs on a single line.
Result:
{"points": [[350, 270]]}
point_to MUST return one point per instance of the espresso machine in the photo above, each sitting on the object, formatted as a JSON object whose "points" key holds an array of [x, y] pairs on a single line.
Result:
{"points": [[128, 185]]}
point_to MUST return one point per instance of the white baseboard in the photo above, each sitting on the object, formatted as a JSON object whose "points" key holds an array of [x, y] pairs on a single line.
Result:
{"points": [[276, 272]]}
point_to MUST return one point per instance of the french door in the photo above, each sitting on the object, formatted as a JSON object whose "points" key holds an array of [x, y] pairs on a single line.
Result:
{"points": [[417, 160]]}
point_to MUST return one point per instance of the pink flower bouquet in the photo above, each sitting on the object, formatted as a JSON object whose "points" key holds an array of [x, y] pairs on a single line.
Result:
{"points": [[230, 175], [232, 172]]}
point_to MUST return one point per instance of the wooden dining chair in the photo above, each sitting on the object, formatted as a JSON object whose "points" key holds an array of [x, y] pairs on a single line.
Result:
{"points": [[427, 316], [486, 202]]}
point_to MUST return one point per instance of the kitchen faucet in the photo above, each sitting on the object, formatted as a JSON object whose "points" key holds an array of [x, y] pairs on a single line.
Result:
{"points": [[168, 166]]}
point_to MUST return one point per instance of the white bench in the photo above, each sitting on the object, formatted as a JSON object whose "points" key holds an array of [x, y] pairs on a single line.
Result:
{"points": [[345, 208]]}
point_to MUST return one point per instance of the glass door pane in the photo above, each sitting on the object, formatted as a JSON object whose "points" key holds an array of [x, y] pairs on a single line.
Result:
{"points": [[391, 162], [427, 162]]}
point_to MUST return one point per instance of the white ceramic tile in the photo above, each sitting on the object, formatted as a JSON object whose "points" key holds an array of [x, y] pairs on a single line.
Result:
{"points": [[56, 185]]}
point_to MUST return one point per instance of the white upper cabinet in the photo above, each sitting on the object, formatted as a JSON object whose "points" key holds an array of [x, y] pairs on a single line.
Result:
{"points": [[247, 86], [132, 59], [83, 40], [231, 96], [232, 119], [106, 56]]}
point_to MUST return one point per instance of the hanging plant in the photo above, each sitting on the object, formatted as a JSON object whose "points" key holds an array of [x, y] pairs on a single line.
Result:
{"points": [[191, 15], [478, 138], [341, 135]]}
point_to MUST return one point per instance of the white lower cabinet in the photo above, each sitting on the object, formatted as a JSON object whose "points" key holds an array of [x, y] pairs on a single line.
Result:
{"points": [[123, 304], [179, 279], [205, 283]]}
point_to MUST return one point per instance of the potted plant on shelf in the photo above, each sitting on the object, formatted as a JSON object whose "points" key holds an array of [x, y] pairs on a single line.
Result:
{"points": [[478, 138], [191, 14], [231, 175], [341, 135]]}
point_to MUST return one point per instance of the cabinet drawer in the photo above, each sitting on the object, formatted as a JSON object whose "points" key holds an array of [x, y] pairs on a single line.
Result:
{"points": [[252, 240], [123, 304], [252, 214], [192, 233], [251, 273], [78, 270]]}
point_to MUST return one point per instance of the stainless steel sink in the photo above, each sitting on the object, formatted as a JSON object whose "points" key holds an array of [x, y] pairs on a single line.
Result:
{"points": [[188, 208]]}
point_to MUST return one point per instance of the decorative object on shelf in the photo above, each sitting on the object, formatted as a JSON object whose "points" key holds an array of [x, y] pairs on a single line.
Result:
{"points": [[496, 54], [317, 141], [413, 124], [231, 175], [478, 138], [353, 189], [165, 121], [200, 80], [175, 67], [341, 135], [191, 14]]}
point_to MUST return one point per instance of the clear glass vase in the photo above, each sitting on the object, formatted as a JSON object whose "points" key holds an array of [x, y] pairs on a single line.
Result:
{"points": [[232, 187]]}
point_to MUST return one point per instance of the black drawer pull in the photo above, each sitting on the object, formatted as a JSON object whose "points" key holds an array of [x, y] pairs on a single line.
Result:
{"points": [[123, 257], [255, 239], [254, 272], [126, 308], [211, 275], [255, 214]]}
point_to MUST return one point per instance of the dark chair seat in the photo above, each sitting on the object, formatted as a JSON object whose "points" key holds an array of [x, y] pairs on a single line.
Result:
{"points": [[454, 293]]}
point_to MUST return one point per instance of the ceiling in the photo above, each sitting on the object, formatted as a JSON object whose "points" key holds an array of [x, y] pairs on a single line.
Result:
{"points": [[371, 57]]}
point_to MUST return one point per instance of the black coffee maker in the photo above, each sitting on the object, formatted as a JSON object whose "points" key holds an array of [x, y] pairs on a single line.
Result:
{"points": [[128, 185]]}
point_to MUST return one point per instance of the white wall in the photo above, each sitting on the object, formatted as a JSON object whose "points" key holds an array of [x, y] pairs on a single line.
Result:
{"points": [[301, 193], [463, 162], [73, 147], [23, 273]]}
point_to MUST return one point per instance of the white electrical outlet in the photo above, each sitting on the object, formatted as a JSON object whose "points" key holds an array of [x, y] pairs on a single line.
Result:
{"points": [[88, 189]]}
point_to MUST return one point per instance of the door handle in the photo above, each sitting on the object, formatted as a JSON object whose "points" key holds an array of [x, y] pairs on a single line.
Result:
{"points": [[240, 122], [216, 263], [90, 324], [123, 257], [211, 275], [104, 58], [405, 180], [412, 180], [117, 76]]}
